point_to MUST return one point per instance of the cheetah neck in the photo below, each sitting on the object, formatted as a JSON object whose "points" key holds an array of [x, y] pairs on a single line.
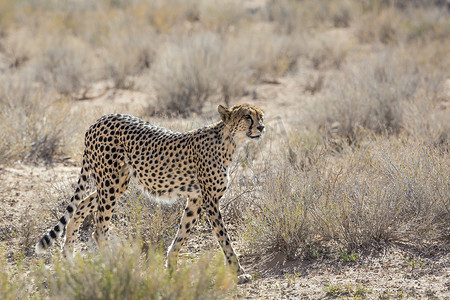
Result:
{"points": [[226, 138]]}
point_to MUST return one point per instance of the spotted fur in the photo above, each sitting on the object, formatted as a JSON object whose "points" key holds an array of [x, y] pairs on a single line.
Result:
{"points": [[167, 164]]}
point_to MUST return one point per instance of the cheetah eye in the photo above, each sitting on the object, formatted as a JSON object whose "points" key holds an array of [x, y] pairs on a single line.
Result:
{"points": [[247, 117]]}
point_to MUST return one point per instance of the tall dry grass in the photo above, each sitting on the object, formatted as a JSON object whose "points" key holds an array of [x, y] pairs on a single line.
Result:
{"points": [[388, 191], [33, 123], [118, 272], [379, 95], [122, 273], [185, 72]]}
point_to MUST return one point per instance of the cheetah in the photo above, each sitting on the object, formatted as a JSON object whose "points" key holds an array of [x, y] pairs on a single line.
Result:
{"points": [[167, 164]]}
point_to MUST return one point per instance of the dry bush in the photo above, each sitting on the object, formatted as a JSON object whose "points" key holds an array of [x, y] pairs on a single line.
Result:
{"points": [[278, 220], [12, 285], [284, 13], [374, 95], [191, 69], [423, 26], [390, 25], [234, 73], [166, 16], [381, 27], [222, 17], [127, 51], [403, 4], [65, 65], [341, 12], [387, 193], [184, 73], [309, 198], [27, 231], [292, 16], [120, 272], [72, 45], [16, 49], [252, 55], [33, 125], [152, 222], [325, 51], [270, 54]]}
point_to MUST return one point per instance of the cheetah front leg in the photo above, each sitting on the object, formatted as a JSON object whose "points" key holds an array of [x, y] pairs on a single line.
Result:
{"points": [[188, 221], [216, 221]]}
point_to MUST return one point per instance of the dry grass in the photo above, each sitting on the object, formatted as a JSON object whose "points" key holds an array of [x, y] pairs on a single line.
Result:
{"points": [[367, 197], [185, 72], [33, 123], [278, 219], [9, 288], [192, 69], [378, 95], [121, 273], [292, 16], [155, 223], [140, 273]]}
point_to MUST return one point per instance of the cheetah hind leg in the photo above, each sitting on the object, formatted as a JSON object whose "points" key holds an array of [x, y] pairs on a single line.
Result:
{"points": [[188, 221], [105, 208], [85, 208]]}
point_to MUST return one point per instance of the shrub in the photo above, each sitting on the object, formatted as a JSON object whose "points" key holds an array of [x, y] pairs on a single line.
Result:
{"points": [[394, 26], [222, 18], [121, 273], [292, 16], [127, 51], [164, 16], [374, 95], [286, 14], [279, 219], [34, 125], [68, 68], [192, 69], [269, 53], [184, 73], [324, 51], [341, 13], [384, 27], [11, 285], [387, 192], [154, 223]]}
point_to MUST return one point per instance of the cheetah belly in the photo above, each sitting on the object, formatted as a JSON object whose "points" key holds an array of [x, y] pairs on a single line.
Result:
{"points": [[171, 198], [169, 186]]}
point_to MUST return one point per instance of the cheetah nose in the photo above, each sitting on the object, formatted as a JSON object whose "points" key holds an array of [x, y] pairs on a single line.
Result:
{"points": [[260, 128]]}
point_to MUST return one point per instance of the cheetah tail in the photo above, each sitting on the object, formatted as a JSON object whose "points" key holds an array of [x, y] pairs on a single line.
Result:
{"points": [[47, 240]]}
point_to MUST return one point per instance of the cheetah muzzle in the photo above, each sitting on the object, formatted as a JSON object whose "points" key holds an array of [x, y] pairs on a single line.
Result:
{"points": [[167, 164]]}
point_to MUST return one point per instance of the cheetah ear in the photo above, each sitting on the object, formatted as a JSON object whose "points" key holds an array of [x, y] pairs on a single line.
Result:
{"points": [[224, 113]]}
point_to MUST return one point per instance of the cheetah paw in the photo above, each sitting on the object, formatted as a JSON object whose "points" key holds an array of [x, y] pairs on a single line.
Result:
{"points": [[244, 278]]}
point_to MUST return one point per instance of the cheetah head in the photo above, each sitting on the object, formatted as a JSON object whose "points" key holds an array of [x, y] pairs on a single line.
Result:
{"points": [[245, 121]]}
